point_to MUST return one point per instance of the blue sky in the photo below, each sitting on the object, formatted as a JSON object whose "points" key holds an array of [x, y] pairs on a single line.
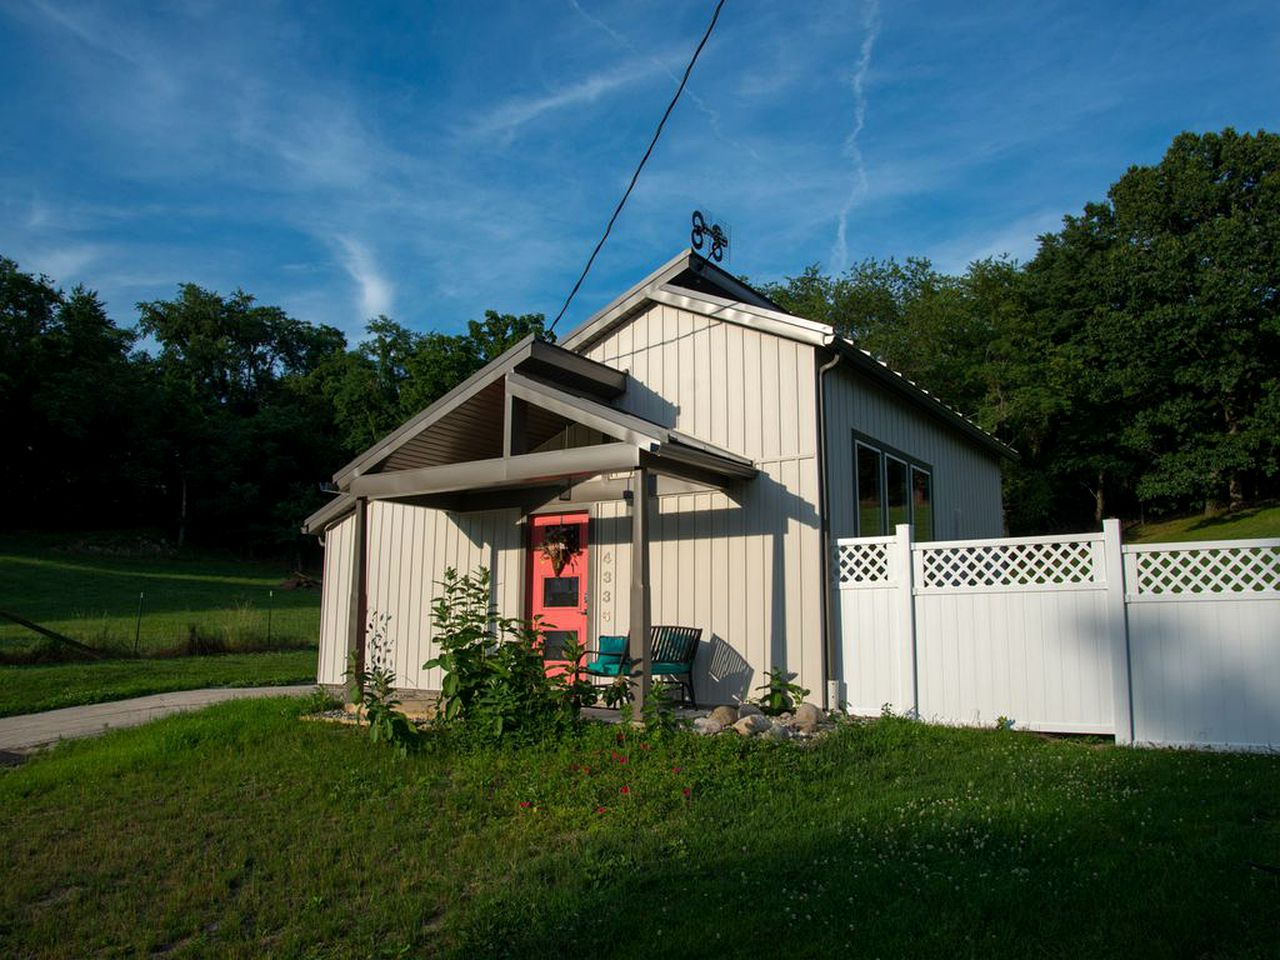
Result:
{"points": [[432, 160]]}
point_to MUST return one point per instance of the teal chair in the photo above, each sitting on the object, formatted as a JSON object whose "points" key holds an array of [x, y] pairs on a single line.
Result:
{"points": [[609, 660]]}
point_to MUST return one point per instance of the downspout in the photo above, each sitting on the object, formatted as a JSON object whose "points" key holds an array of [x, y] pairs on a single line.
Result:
{"points": [[824, 527]]}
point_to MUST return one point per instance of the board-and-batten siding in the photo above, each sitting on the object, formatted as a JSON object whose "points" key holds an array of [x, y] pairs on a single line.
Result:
{"points": [[409, 549], [966, 479], [746, 571], [335, 602]]}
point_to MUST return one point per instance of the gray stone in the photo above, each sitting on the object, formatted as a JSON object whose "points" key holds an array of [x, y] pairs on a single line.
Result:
{"points": [[726, 716], [707, 726], [808, 718], [777, 731], [749, 710], [752, 724]]}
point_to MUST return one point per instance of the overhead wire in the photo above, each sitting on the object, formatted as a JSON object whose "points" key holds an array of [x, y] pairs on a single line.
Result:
{"points": [[639, 167]]}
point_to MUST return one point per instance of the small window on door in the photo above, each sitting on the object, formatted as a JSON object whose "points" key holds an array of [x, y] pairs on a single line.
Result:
{"points": [[559, 591]]}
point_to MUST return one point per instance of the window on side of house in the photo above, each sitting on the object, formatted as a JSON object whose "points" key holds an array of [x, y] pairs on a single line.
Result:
{"points": [[922, 503], [891, 488], [870, 500]]}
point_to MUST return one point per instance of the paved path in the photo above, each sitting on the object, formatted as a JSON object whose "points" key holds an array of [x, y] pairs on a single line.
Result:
{"points": [[19, 735]]}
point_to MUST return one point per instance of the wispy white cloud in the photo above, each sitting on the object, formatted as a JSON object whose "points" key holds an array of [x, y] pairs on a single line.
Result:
{"points": [[506, 119], [852, 147], [373, 288]]}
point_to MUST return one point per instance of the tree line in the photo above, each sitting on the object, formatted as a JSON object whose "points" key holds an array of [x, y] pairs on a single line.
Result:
{"points": [[1133, 362]]}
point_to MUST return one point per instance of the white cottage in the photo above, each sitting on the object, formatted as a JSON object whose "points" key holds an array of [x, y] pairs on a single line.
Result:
{"points": [[692, 423]]}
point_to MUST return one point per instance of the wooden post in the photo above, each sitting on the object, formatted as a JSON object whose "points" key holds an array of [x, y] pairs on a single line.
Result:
{"points": [[359, 606], [513, 427], [640, 644], [905, 612], [1118, 630]]}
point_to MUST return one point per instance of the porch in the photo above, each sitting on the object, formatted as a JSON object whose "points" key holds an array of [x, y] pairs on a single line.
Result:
{"points": [[523, 445]]}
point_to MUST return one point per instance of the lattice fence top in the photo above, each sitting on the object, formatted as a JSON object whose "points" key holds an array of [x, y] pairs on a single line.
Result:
{"points": [[1244, 569], [1009, 564], [862, 563]]}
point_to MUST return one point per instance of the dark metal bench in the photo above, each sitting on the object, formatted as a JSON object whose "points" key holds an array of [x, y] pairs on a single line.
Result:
{"points": [[673, 653]]}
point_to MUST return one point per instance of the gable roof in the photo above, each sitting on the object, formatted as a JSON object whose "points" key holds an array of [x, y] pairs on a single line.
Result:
{"points": [[530, 355]]}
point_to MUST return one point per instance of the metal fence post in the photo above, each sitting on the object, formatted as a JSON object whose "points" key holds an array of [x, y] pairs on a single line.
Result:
{"points": [[1118, 631], [906, 617]]}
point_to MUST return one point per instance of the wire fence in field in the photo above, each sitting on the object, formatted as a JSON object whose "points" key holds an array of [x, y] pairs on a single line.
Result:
{"points": [[165, 619]]}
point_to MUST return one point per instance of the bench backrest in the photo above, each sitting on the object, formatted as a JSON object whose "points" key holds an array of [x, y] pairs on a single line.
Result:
{"points": [[675, 644]]}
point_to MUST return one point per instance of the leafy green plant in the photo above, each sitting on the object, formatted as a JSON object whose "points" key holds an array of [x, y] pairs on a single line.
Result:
{"points": [[658, 713], [374, 690], [780, 693], [495, 680]]}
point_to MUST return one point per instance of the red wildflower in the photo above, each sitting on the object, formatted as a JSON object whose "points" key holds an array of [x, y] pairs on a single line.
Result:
{"points": [[687, 793], [625, 789], [620, 738], [600, 809], [675, 769], [644, 746], [526, 804]]}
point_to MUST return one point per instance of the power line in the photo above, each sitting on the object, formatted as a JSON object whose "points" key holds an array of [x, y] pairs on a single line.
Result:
{"points": [[643, 160]]}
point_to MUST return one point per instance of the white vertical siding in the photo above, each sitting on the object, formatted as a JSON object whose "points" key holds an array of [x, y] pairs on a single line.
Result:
{"points": [[335, 601], [966, 479], [745, 570], [409, 550]]}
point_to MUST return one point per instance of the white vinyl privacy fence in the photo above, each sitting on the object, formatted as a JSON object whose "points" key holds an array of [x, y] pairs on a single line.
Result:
{"points": [[1161, 643]]}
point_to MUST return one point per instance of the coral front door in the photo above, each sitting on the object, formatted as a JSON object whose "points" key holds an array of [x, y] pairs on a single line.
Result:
{"points": [[558, 558]]}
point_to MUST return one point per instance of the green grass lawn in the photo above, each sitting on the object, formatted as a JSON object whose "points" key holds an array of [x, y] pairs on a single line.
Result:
{"points": [[242, 831], [29, 689], [1249, 524], [93, 598]]}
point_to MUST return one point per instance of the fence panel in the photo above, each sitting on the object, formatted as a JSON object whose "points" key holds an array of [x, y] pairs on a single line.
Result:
{"points": [[1015, 628], [869, 609], [1165, 643], [1204, 636]]}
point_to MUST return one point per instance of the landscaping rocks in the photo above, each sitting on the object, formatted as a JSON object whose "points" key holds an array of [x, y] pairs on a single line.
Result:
{"points": [[752, 724], [725, 716], [749, 710], [808, 718], [777, 731], [707, 726]]}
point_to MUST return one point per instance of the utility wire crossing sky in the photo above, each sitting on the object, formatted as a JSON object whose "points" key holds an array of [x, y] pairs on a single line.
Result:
{"points": [[419, 161]]}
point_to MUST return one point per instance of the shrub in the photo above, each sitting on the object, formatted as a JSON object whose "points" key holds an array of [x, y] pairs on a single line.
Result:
{"points": [[780, 694], [495, 681], [374, 690]]}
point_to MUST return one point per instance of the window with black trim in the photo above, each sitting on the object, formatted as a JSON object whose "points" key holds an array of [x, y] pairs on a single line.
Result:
{"points": [[891, 488]]}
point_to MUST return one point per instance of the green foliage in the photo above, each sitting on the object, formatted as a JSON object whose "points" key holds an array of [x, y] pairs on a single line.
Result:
{"points": [[658, 715], [495, 681], [374, 688], [780, 693], [928, 841], [1131, 362]]}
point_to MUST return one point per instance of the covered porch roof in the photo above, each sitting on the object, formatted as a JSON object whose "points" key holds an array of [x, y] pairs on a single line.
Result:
{"points": [[515, 437]]}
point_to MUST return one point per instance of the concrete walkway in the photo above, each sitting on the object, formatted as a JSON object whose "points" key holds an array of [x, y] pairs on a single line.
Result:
{"points": [[19, 735]]}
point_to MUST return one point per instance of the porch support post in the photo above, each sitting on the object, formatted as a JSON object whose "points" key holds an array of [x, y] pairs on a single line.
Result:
{"points": [[640, 644], [513, 426], [359, 605]]}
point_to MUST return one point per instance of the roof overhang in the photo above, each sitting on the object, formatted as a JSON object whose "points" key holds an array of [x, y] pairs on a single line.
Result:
{"points": [[530, 356]]}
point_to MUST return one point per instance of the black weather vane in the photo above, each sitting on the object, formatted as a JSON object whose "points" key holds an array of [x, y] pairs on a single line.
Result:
{"points": [[705, 233]]}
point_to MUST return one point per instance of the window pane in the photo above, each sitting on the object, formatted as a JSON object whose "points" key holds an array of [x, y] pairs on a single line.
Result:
{"points": [[560, 591], [922, 504], [870, 515], [895, 475], [555, 641]]}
